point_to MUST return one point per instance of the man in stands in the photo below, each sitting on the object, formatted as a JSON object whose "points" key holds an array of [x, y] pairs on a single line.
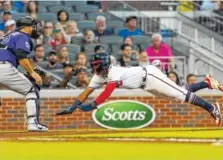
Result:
{"points": [[131, 30]]}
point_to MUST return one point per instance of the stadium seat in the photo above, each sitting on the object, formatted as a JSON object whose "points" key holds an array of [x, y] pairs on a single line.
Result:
{"points": [[134, 63], [114, 43], [16, 16], [55, 9], [42, 9], [82, 25], [76, 16], [73, 80], [115, 24], [116, 30], [49, 3], [43, 64], [48, 17], [73, 50], [142, 41], [89, 48], [92, 16], [77, 40], [111, 40], [75, 3], [58, 72], [86, 8]]}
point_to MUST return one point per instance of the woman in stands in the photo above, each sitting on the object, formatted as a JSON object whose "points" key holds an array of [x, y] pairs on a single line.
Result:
{"points": [[63, 18], [32, 8], [81, 61]]}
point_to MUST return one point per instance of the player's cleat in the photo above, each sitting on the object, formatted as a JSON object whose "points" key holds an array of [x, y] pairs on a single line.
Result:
{"points": [[34, 126], [216, 114], [213, 84]]}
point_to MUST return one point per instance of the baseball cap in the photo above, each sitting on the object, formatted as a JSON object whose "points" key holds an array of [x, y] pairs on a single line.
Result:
{"points": [[80, 70], [130, 18], [10, 22], [67, 64], [52, 53], [156, 62]]}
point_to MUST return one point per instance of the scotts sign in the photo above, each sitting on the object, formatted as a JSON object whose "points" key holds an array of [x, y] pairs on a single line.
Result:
{"points": [[123, 114]]}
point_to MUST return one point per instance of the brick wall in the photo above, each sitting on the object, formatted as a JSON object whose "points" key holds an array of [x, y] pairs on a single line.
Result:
{"points": [[169, 113]]}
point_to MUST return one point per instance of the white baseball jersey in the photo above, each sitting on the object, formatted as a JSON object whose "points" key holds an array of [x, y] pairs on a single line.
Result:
{"points": [[131, 77]]}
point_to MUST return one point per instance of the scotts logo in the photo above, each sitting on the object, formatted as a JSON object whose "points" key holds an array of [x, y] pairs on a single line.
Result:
{"points": [[124, 114]]}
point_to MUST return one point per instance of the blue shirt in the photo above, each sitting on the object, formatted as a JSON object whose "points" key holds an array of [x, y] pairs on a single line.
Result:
{"points": [[126, 33], [107, 32], [14, 41], [2, 26]]}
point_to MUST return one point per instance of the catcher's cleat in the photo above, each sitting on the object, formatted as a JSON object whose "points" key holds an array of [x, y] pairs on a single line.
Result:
{"points": [[216, 114], [213, 84], [34, 126]]}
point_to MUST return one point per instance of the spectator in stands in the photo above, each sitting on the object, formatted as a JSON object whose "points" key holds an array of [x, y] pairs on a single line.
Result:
{"points": [[63, 18], [143, 58], [5, 17], [68, 74], [47, 33], [126, 57], [10, 26], [174, 77], [72, 30], [63, 54], [101, 29], [20, 5], [219, 5], [39, 54], [158, 49], [82, 78], [58, 39], [129, 40], [52, 61], [32, 8], [191, 79], [89, 37], [7, 7], [81, 61], [131, 30]]}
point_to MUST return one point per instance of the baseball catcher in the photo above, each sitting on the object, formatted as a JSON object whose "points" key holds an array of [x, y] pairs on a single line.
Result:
{"points": [[14, 48]]}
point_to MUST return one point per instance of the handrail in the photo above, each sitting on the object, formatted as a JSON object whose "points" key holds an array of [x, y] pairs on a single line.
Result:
{"points": [[55, 76]]}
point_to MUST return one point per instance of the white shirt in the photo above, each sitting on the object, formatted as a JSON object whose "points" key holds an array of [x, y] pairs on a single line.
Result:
{"points": [[131, 77]]}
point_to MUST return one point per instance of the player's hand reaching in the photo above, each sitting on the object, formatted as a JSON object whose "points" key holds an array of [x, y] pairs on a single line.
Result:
{"points": [[36, 77], [69, 110]]}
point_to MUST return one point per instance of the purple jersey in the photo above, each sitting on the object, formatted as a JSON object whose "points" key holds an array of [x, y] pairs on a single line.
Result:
{"points": [[14, 41]]}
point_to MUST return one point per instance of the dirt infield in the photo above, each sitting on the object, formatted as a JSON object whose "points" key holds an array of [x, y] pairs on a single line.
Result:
{"points": [[194, 135]]}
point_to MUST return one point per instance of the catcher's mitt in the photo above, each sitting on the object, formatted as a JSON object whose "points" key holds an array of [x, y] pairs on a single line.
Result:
{"points": [[41, 73]]}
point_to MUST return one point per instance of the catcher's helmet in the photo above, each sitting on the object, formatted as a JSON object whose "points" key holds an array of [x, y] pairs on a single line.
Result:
{"points": [[102, 62], [29, 21]]}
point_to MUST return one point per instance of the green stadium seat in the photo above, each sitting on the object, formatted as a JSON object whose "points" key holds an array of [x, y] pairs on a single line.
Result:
{"points": [[55, 9], [77, 16], [49, 3], [92, 16], [86, 8], [16, 16], [89, 48], [77, 40], [73, 50], [75, 3], [48, 17], [114, 43], [116, 30], [82, 25], [115, 24]]}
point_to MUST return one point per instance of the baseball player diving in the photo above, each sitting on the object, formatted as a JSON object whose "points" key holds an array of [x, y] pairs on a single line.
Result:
{"points": [[148, 78], [14, 48]]}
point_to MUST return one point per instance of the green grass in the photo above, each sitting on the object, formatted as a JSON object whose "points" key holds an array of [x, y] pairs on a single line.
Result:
{"points": [[108, 151]]}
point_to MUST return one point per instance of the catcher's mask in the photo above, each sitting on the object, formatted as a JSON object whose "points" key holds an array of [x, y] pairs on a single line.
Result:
{"points": [[29, 21], [100, 63]]}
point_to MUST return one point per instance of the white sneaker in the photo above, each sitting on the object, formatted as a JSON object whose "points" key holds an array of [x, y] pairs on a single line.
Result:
{"points": [[34, 126]]}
